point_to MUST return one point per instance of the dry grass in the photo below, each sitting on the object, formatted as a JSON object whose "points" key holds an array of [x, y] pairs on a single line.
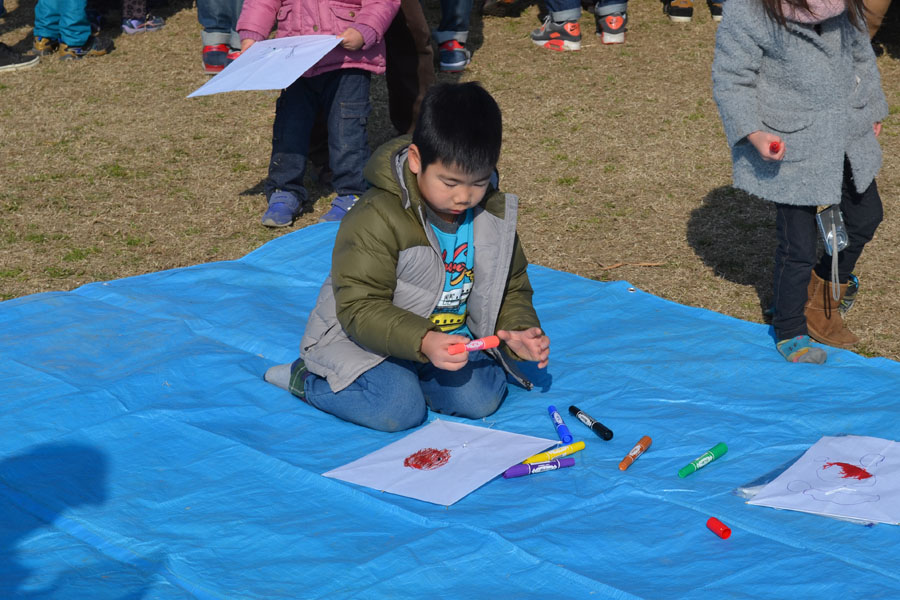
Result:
{"points": [[617, 152]]}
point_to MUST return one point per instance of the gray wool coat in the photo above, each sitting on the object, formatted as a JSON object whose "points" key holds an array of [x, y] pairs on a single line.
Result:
{"points": [[820, 92]]}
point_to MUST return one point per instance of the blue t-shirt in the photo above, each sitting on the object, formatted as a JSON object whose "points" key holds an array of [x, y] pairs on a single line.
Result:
{"points": [[458, 253]]}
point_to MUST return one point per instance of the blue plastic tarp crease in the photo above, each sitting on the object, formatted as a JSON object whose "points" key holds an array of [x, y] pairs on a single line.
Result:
{"points": [[144, 457]]}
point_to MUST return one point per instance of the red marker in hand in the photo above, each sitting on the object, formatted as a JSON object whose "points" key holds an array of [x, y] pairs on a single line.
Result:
{"points": [[491, 341], [775, 147]]}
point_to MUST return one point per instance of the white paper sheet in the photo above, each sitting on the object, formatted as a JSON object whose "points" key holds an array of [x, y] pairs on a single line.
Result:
{"points": [[851, 477], [270, 64], [441, 462]]}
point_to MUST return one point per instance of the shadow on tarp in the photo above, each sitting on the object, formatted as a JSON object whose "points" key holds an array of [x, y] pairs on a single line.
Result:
{"points": [[733, 233], [37, 489]]}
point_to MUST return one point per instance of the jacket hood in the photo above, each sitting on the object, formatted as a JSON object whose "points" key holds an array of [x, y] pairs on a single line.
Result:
{"points": [[385, 168]]}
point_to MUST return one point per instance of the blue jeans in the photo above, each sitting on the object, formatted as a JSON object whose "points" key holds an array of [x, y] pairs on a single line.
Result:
{"points": [[570, 10], [795, 256], [343, 96], [396, 394], [454, 25], [219, 19], [64, 20]]}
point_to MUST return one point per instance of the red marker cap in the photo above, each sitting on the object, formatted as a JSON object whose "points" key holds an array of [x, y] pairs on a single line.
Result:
{"points": [[718, 528], [775, 147]]}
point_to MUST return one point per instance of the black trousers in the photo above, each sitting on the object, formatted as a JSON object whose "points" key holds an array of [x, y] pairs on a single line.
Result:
{"points": [[795, 256]]}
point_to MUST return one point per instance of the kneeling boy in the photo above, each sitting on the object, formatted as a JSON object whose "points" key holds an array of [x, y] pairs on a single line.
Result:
{"points": [[429, 257]]}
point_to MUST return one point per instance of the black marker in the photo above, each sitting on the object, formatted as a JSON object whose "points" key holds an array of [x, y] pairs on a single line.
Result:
{"points": [[596, 426]]}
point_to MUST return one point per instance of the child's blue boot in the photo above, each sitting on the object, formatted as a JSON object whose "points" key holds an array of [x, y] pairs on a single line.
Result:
{"points": [[799, 350], [284, 207]]}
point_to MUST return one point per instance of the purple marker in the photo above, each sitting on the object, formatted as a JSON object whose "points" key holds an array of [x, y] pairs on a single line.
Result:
{"points": [[561, 430], [520, 470]]}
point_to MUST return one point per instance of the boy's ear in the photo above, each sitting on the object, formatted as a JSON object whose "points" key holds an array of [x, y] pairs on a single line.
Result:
{"points": [[414, 159]]}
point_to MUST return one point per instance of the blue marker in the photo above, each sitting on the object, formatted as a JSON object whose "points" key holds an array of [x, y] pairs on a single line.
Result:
{"points": [[561, 430]]}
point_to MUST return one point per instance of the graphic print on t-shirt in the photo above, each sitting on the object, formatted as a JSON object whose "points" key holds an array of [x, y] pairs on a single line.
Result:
{"points": [[457, 253]]}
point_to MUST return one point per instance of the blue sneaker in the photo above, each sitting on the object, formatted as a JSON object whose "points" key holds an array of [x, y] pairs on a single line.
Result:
{"points": [[284, 207], [339, 207], [453, 56]]}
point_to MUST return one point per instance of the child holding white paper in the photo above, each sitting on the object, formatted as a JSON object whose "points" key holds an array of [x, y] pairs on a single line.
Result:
{"points": [[337, 85], [429, 258], [801, 101]]}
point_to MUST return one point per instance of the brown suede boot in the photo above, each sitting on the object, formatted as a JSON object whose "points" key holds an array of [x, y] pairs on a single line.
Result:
{"points": [[822, 316]]}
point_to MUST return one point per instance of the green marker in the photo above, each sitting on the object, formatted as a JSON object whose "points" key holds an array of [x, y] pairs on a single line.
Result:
{"points": [[703, 460]]}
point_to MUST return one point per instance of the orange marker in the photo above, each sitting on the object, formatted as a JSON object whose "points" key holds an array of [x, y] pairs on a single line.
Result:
{"points": [[491, 341], [638, 449]]}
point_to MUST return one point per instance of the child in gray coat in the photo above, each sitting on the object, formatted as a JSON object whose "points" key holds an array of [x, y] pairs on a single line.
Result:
{"points": [[800, 98]]}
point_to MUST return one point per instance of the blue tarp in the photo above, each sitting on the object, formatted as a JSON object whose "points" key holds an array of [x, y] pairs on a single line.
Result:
{"points": [[143, 456]]}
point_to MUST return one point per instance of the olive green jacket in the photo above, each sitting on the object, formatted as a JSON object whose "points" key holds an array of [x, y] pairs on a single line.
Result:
{"points": [[387, 276]]}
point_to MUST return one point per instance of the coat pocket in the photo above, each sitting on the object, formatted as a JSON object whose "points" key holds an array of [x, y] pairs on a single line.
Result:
{"points": [[796, 132], [343, 14], [283, 18]]}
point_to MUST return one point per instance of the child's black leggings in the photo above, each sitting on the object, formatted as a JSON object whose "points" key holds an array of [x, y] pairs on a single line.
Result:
{"points": [[795, 256]]}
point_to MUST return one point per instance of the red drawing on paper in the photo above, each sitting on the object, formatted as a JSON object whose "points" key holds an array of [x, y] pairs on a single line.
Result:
{"points": [[849, 471], [845, 485], [427, 459]]}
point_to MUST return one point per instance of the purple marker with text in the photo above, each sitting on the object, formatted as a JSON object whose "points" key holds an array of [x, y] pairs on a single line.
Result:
{"points": [[552, 465], [561, 430]]}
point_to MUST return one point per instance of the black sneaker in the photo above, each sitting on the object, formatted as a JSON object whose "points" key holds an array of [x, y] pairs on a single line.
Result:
{"points": [[679, 11], [94, 46], [10, 60], [715, 9]]}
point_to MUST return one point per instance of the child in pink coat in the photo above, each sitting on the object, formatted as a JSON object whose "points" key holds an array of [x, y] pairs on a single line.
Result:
{"points": [[337, 86]]}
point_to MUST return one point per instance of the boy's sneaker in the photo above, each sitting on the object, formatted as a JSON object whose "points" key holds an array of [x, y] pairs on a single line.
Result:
{"points": [[94, 46], [148, 23], [43, 46], [340, 206], [558, 36], [284, 207], [215, 57], [10, 60], [611, 28], [715, 9], [454, 56], [679, 11]]}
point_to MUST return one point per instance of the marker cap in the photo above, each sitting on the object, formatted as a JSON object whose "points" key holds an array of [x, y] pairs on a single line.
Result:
{"points": [[718, 528]]}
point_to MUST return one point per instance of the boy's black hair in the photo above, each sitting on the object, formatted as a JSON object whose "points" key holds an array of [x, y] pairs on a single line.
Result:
{"points": [[459, 125]]}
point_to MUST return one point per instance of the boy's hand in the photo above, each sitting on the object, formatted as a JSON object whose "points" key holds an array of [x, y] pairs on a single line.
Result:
{"points": [[351, 39], [876, 127], [436, 345], [530, 344], [769, 145], [246, 43]]}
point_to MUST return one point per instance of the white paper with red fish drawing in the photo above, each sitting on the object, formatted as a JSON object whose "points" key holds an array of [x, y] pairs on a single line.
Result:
{"points": [[441, 462], [852, 477]]}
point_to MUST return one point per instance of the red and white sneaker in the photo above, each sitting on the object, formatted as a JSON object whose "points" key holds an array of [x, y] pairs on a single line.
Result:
{"points": [[611, 28], [558, 36]]}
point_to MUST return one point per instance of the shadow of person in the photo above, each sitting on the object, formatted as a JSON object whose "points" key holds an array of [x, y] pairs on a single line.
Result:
{"points": [[733, 233], [36, 488]]}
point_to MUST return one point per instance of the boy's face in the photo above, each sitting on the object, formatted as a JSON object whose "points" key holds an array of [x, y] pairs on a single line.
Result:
{"points": [[446, 188]]}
